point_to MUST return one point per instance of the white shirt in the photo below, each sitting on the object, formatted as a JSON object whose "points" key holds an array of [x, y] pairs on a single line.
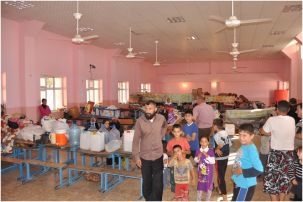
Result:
{"points": [[283, 131]]}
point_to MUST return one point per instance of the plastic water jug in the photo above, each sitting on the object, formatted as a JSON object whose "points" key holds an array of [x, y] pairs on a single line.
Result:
{"points": [[61, 139], [85, 140], [97, 143], [128, 137], [74, 135]]}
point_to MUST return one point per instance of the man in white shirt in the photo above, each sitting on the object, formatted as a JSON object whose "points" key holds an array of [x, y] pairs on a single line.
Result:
{"points": [[281, 128]]}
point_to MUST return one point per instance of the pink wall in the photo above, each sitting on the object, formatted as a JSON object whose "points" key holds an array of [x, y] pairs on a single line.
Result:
{"points": [[258, 80], [293, 52], [31, 52]]}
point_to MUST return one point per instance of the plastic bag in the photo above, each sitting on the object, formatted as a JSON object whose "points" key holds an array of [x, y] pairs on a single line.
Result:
{"points": [[113, 145]]}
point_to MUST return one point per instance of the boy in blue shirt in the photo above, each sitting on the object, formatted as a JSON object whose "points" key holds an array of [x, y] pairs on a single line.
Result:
{"points": [[247, 165], [190, 130]]}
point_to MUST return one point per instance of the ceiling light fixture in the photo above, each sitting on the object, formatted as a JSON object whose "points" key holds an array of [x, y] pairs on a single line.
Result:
{"points": [[19, 4], [192, 37], [85, 29], [177, 19]]}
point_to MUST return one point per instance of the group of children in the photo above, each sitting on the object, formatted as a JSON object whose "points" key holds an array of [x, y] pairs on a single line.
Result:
{"points": [[211, 159]]}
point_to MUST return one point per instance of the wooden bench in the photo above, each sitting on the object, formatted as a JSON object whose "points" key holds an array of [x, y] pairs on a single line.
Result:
{"points": [[105, 185], [12, 160]]}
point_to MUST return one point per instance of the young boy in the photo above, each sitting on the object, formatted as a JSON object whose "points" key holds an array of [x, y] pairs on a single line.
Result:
{"points": [[190, 130], [183, 173], [281, 129], [247, 166], [177, 140], [222, 144], [166, 171]]}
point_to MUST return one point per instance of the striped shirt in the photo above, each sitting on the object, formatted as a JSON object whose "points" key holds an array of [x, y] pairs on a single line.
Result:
{"points": [[297, 169]]}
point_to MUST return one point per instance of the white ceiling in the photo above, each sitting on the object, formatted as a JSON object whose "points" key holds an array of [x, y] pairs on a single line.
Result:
{"points": [[111, 20]]}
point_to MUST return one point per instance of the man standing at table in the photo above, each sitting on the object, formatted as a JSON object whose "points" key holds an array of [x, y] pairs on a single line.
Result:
{"points": [[147, 151], [204, 116]]}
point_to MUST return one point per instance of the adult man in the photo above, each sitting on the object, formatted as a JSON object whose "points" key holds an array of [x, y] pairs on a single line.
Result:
{"points": [[204, 116], [281, 128], [44, 109], [148, 151]]}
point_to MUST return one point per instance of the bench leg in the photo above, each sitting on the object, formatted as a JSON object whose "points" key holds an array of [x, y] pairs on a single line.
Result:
{"points": [[127, 163], [28, 174], [21, 177]]}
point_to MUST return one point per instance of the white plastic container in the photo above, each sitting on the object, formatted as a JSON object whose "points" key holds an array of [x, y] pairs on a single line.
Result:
{"points": [[128, 137], [47, 123], [97, 142], [85, 140]]}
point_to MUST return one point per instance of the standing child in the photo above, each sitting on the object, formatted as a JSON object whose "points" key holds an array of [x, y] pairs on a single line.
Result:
{"points": [[222, 144], [247, 166], [205, 158], [190, 130], [177, 140], [183, 173], [297, 181]]}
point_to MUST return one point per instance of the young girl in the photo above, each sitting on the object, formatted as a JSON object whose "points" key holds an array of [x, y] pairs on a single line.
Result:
{"points": [[205, 158]]}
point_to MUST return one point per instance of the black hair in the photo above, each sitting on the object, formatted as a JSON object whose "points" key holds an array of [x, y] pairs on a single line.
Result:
{"points": [[43, 100], [176, 126], [188, 112], [283, 106], [177, 146], [247, 127], [219, 123], [293, 101], [205, 138], [105, 120], [164, 146], [151, 102]]}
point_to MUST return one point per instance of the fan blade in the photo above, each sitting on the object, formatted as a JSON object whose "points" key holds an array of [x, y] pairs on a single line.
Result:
{"points": [[243, 22], [220, 30], [247, 51], [139, 57], [217, 18], [223, 52], [90, 37], [142, 52]]}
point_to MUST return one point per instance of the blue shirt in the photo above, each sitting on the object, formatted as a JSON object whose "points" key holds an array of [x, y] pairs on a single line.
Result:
{"points": [[189, 130], [248, 159]]}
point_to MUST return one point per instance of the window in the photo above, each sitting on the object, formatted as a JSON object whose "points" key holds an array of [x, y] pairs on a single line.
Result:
{"points": [[94, 92], [145, 87], [123, 92], [3, 87], [51, 88]]}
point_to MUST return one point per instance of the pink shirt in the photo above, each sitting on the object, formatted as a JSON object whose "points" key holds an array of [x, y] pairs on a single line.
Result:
{"points": [[204, 115], [44, 112]]}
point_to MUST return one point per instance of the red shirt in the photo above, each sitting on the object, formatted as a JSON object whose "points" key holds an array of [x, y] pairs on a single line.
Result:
{"points": [[182, 141], [44, 112]]}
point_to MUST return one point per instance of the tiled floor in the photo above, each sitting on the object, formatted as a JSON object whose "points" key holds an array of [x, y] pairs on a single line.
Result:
{"points": [[42, 188]]}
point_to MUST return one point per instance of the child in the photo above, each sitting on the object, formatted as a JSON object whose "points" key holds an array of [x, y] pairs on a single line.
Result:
{"points": [[190, 130], [247, 166], [205, 158], [183, 172], [166, 171], [222, 144], [297, 181], [177, 140]]}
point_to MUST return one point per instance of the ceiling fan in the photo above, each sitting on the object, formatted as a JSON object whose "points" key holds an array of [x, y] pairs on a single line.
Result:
{"points": [[233, 21], [78, 39], [235, 52], [130, 53]]}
